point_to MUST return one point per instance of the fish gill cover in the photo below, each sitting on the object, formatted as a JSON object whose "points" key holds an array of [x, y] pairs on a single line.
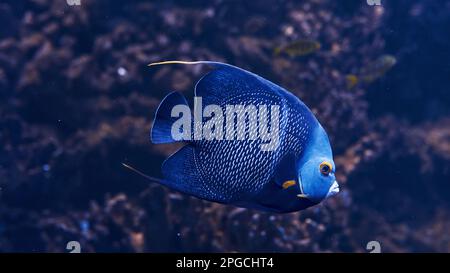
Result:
{"points": [[77, 100]]}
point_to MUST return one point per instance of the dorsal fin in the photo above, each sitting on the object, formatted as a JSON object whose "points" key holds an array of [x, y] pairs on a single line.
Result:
{"points": [[225, 77]]}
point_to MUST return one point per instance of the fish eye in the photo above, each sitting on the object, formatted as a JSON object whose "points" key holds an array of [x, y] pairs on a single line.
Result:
{"points": [[325, 168]]}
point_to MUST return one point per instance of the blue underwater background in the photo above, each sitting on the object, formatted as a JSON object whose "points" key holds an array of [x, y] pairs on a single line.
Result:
{"points": [[77, 99]]}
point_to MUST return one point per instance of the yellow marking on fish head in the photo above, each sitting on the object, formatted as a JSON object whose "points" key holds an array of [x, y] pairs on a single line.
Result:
{"points": [[288, 184]]}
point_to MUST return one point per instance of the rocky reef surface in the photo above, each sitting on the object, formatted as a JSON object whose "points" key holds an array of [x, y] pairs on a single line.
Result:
{"points": [[77, 100]]}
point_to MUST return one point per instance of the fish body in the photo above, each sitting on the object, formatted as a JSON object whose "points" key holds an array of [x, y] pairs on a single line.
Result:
{"points": [[287, 176], [298, 48]]}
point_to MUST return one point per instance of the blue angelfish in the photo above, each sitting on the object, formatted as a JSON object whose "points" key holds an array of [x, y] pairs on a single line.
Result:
{"points": [[295, 172]]}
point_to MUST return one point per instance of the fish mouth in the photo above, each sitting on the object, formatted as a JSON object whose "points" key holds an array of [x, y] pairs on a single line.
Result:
{"points": [[334, 189]]}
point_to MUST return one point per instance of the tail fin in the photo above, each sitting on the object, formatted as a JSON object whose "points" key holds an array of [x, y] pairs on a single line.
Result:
{"points": [[162, 125]]}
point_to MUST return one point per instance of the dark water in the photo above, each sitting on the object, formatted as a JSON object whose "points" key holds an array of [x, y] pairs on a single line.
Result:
{"points": [[77, 99]]}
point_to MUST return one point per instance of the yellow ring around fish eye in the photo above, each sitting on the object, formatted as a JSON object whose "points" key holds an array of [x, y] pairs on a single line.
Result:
{"points": [[325, 168]]}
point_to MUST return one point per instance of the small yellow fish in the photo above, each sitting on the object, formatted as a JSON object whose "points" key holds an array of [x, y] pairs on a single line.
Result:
{"points": [[352, 80], [298, 48], [373, 71]]}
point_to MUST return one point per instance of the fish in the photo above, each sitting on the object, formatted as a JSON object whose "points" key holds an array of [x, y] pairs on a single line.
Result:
{"points": [[298, 48], [373, 71], [297, 173]]}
